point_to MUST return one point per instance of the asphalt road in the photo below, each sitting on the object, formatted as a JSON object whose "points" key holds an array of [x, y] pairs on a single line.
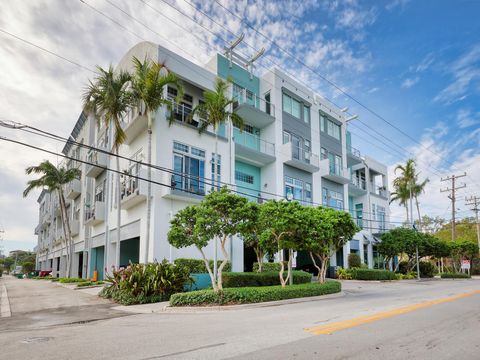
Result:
{"points": [[427, 320]]}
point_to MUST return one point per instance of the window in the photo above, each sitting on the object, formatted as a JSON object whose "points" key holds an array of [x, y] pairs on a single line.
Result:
{"points": [[100, 191], [243, 177], [219, 162], [322, 123], [267, 103], [189, 168], [333, 129], [299, 190], [248, 128], [323, 153], [381, 218], [306, 114], [286, 137], [291, 106], [332, 199]]}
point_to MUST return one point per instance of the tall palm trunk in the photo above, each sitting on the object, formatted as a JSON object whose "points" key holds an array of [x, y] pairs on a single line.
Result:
{"points": [[149, 183], [215, 159], [66, 231], [418, 213], [119, 210]]}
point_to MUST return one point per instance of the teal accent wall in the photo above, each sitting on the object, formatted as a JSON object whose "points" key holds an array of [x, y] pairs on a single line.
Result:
{"points": [[96, 263], [222, 130], [251, 189], [129, 251], [238, 74]]}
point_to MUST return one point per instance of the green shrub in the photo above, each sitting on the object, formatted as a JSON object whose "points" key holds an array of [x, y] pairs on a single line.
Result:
{"points": [[248, 295], [197, 266], [70, 280], [354, 261], [145, 283], [235, 279], [454, 276], [427, 269], [343, 274], [89, 283], [269, 266], [372, 274], [28, 266], [403, 267]]}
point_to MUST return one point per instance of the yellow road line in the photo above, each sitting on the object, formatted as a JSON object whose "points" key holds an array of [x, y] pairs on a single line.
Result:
{"points": [[329, 328]]}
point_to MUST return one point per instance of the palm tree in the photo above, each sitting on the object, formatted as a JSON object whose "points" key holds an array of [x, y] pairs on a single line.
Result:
{"points": [[53, 180], [401, 194], [216, 109], [407, 184], [108, 98], [148, 84]]}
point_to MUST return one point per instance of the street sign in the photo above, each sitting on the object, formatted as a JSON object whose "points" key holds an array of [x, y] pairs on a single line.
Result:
{"points": [[465, 264]]}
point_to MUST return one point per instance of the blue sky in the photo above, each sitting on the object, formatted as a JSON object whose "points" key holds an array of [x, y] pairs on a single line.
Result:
{"points": [[417, 63]]}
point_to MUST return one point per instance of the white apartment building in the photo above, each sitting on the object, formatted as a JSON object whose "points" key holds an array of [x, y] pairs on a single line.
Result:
{"points": [[295, 145]]}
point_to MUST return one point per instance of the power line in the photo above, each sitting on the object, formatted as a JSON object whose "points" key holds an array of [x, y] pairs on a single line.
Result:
{"points": [[145, 179], [454, 187], [474, 201]]}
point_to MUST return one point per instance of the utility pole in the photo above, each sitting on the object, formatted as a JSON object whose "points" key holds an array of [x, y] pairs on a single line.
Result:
{"points": [[452, 197], [475, 202]]}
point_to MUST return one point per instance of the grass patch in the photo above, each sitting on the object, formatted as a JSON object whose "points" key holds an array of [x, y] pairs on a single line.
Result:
{"points": [[248, 295], [89, 283], [70, 280], [454, 276]]}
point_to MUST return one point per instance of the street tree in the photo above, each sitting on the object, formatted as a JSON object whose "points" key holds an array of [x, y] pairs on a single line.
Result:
{"points": [[148, 82], [109, 99], [281, 224], [461, 249], [53, 179]]}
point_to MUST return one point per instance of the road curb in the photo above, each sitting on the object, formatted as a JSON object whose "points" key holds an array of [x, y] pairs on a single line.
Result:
{"points": [[4, 303]]}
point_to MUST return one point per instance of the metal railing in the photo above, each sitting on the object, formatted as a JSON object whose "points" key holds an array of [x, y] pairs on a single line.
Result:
{"points": [[253, 142], [353, 151], [247, 97], [130, 182], [359, 183], [304, 155], [380, 191], [190, 184]]}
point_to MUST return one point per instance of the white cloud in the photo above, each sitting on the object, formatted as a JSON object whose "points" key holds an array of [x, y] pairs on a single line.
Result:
{"points": [[426, 62], [466, 76], [465, 118], [409, 82], [397, 4]]}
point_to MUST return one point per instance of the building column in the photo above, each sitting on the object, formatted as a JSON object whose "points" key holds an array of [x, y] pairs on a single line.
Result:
{"points": [[370, 256], [346, 252]]}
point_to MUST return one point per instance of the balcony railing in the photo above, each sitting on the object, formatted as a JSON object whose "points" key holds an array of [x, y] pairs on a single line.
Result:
{"points": [[380, 191], [95, 213], [96, 162], [187, 183], [355, 152], [249, 98], [253, 142], [359, 183]]}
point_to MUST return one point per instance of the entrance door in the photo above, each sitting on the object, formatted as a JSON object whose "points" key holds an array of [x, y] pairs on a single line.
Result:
{"points": [[80, 264]]}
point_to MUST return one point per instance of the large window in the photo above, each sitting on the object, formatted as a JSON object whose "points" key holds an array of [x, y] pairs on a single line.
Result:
{"points": [[189, 168], [381, 218], [306, 114], [298, 189], [244, 177], [332, 199], [219, 168], [330, 127], [291, 106]]}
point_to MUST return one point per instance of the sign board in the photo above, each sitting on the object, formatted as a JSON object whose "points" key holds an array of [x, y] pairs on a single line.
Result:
{"points": [[465, 264]]}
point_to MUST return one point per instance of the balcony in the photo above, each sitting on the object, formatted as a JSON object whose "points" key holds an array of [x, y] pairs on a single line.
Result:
{"points": [[357, 187], [380, 191], [353, 156], [74, 227], [300, 158], [183, 187], [95, 214], [251, 149], [329, 171], [133, 124], [38, 228], [134, 190], [73, 189], [97, 163], [254, 109]]}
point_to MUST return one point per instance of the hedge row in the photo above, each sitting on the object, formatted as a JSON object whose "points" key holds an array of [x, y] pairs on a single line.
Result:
{"points": [[454, 276], [372, 274], [197, 266], [247, 295], [269, 266], [233, 279], [70, 280]]}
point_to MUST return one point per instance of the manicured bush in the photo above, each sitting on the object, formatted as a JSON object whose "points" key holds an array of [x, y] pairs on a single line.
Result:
{"points": [[236, 279], [70, 280], [145, 283], [246, 295], [454, 276], [269, 266], [197, 266], [343, 274], [354, 261], [372, 274], [427, 269]]}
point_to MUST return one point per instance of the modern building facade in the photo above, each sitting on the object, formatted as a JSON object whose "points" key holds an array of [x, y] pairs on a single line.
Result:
{"points": [[295, 145]]}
